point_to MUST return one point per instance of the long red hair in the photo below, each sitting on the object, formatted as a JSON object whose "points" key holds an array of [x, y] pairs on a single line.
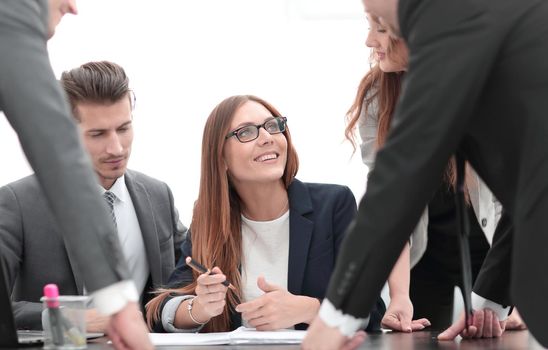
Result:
{"points": [[216, 219], [384, 88]]}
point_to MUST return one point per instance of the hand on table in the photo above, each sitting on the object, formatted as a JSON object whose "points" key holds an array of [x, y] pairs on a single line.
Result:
{"points": [[398, 316], [485, 324], [277, 308]]}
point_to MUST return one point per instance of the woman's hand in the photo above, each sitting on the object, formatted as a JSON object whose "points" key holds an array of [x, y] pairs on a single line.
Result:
{"points": [[485, 324], [277, 308], [210, 295], [398, 316]]}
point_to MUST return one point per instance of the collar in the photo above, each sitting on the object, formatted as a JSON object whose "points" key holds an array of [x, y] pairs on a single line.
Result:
{"points": [[119, 189]]}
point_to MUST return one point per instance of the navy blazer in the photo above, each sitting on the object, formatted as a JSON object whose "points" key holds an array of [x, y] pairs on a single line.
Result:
{"points": [[318, 218]]}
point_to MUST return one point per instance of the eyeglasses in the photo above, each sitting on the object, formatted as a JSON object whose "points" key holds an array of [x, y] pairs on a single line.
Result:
{"points": [[274, 125]]}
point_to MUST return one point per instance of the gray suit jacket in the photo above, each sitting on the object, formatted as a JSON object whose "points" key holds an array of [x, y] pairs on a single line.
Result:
{"points": [[35, 106], [36, 254]]}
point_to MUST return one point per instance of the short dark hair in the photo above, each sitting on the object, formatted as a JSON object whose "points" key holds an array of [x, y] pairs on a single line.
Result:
{"points": [[101, 82]]}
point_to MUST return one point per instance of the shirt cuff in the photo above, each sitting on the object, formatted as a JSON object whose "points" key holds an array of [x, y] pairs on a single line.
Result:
{"points": [[479, 302], [347, 324], [168, 316], [113, 298]]}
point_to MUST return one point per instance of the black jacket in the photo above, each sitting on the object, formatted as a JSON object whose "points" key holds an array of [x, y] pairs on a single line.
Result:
{"points": [[478, 83]]}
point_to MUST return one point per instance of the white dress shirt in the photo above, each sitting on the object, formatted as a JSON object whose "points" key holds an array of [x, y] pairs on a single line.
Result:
{"points": [[129, 233], [113, 298]]}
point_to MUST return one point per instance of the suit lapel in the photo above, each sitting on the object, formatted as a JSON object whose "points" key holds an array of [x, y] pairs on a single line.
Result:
{"points": [[300, 234], [145, 216], [78, 280]]}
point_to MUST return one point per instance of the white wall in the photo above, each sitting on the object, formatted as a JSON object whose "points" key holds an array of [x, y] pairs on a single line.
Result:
{"points": [[183, 57]]}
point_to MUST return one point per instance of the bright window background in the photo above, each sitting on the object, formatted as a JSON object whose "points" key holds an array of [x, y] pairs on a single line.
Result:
{"points": [[306, 57]]}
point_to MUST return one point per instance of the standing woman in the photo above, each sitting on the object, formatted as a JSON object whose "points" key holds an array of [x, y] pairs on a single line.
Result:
{"points": [[272, 236], [434, 252]]}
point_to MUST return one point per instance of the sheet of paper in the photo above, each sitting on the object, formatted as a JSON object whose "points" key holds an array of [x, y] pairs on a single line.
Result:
{"points": [[239, 336], [244, 335]]}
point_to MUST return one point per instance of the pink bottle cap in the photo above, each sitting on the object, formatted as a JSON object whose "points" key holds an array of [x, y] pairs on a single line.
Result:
{"points": [[51, 292]]}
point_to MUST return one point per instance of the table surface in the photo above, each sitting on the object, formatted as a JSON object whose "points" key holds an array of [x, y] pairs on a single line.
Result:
{"points": [[511, 340]]}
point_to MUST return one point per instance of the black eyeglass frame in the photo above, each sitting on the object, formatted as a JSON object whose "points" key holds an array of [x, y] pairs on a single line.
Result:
{"points": [[282, 123]]}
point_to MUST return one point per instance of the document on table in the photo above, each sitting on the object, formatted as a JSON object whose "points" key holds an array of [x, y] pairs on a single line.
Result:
{"points": [[241, 335]]}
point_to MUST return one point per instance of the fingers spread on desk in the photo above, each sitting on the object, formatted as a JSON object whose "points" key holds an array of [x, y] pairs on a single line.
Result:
{"points": [[420, 324], [405, 324], [479, 322], [488, 324], [390, 321], [454, 330]]}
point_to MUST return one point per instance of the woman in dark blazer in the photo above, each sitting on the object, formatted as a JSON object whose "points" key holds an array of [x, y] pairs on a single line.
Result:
{"points": [[272, 236]]}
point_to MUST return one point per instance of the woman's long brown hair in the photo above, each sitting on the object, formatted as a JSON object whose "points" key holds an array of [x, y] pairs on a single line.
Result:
{"points": [[216, 223], [384, 88]]}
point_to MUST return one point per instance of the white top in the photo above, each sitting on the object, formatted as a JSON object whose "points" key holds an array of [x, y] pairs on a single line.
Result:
{"points": [[265, 248]]}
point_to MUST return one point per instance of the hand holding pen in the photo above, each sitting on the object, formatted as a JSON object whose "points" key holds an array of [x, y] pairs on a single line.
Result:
{"points": [[211, 289]]}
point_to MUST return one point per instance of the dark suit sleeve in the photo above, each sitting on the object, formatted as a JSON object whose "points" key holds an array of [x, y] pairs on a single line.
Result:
{"points": [[493, 281], [182, 275], [436, 104], [179, 230], [36, 108], [28, 315], [11, 234], [345, 212]]}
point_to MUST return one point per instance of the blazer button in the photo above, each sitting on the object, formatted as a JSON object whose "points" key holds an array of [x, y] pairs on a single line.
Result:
{"points": [[484, 222], [352, 266]]}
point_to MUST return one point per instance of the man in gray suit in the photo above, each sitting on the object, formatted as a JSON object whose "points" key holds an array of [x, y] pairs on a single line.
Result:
{"points": [[34, 105], [143, 209]]}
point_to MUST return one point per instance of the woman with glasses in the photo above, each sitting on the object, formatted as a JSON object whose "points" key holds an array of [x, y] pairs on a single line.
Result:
{"points": [[272, 236]]}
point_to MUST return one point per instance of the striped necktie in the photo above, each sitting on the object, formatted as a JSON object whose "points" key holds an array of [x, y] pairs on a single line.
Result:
{"points": [[110, 198]]}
